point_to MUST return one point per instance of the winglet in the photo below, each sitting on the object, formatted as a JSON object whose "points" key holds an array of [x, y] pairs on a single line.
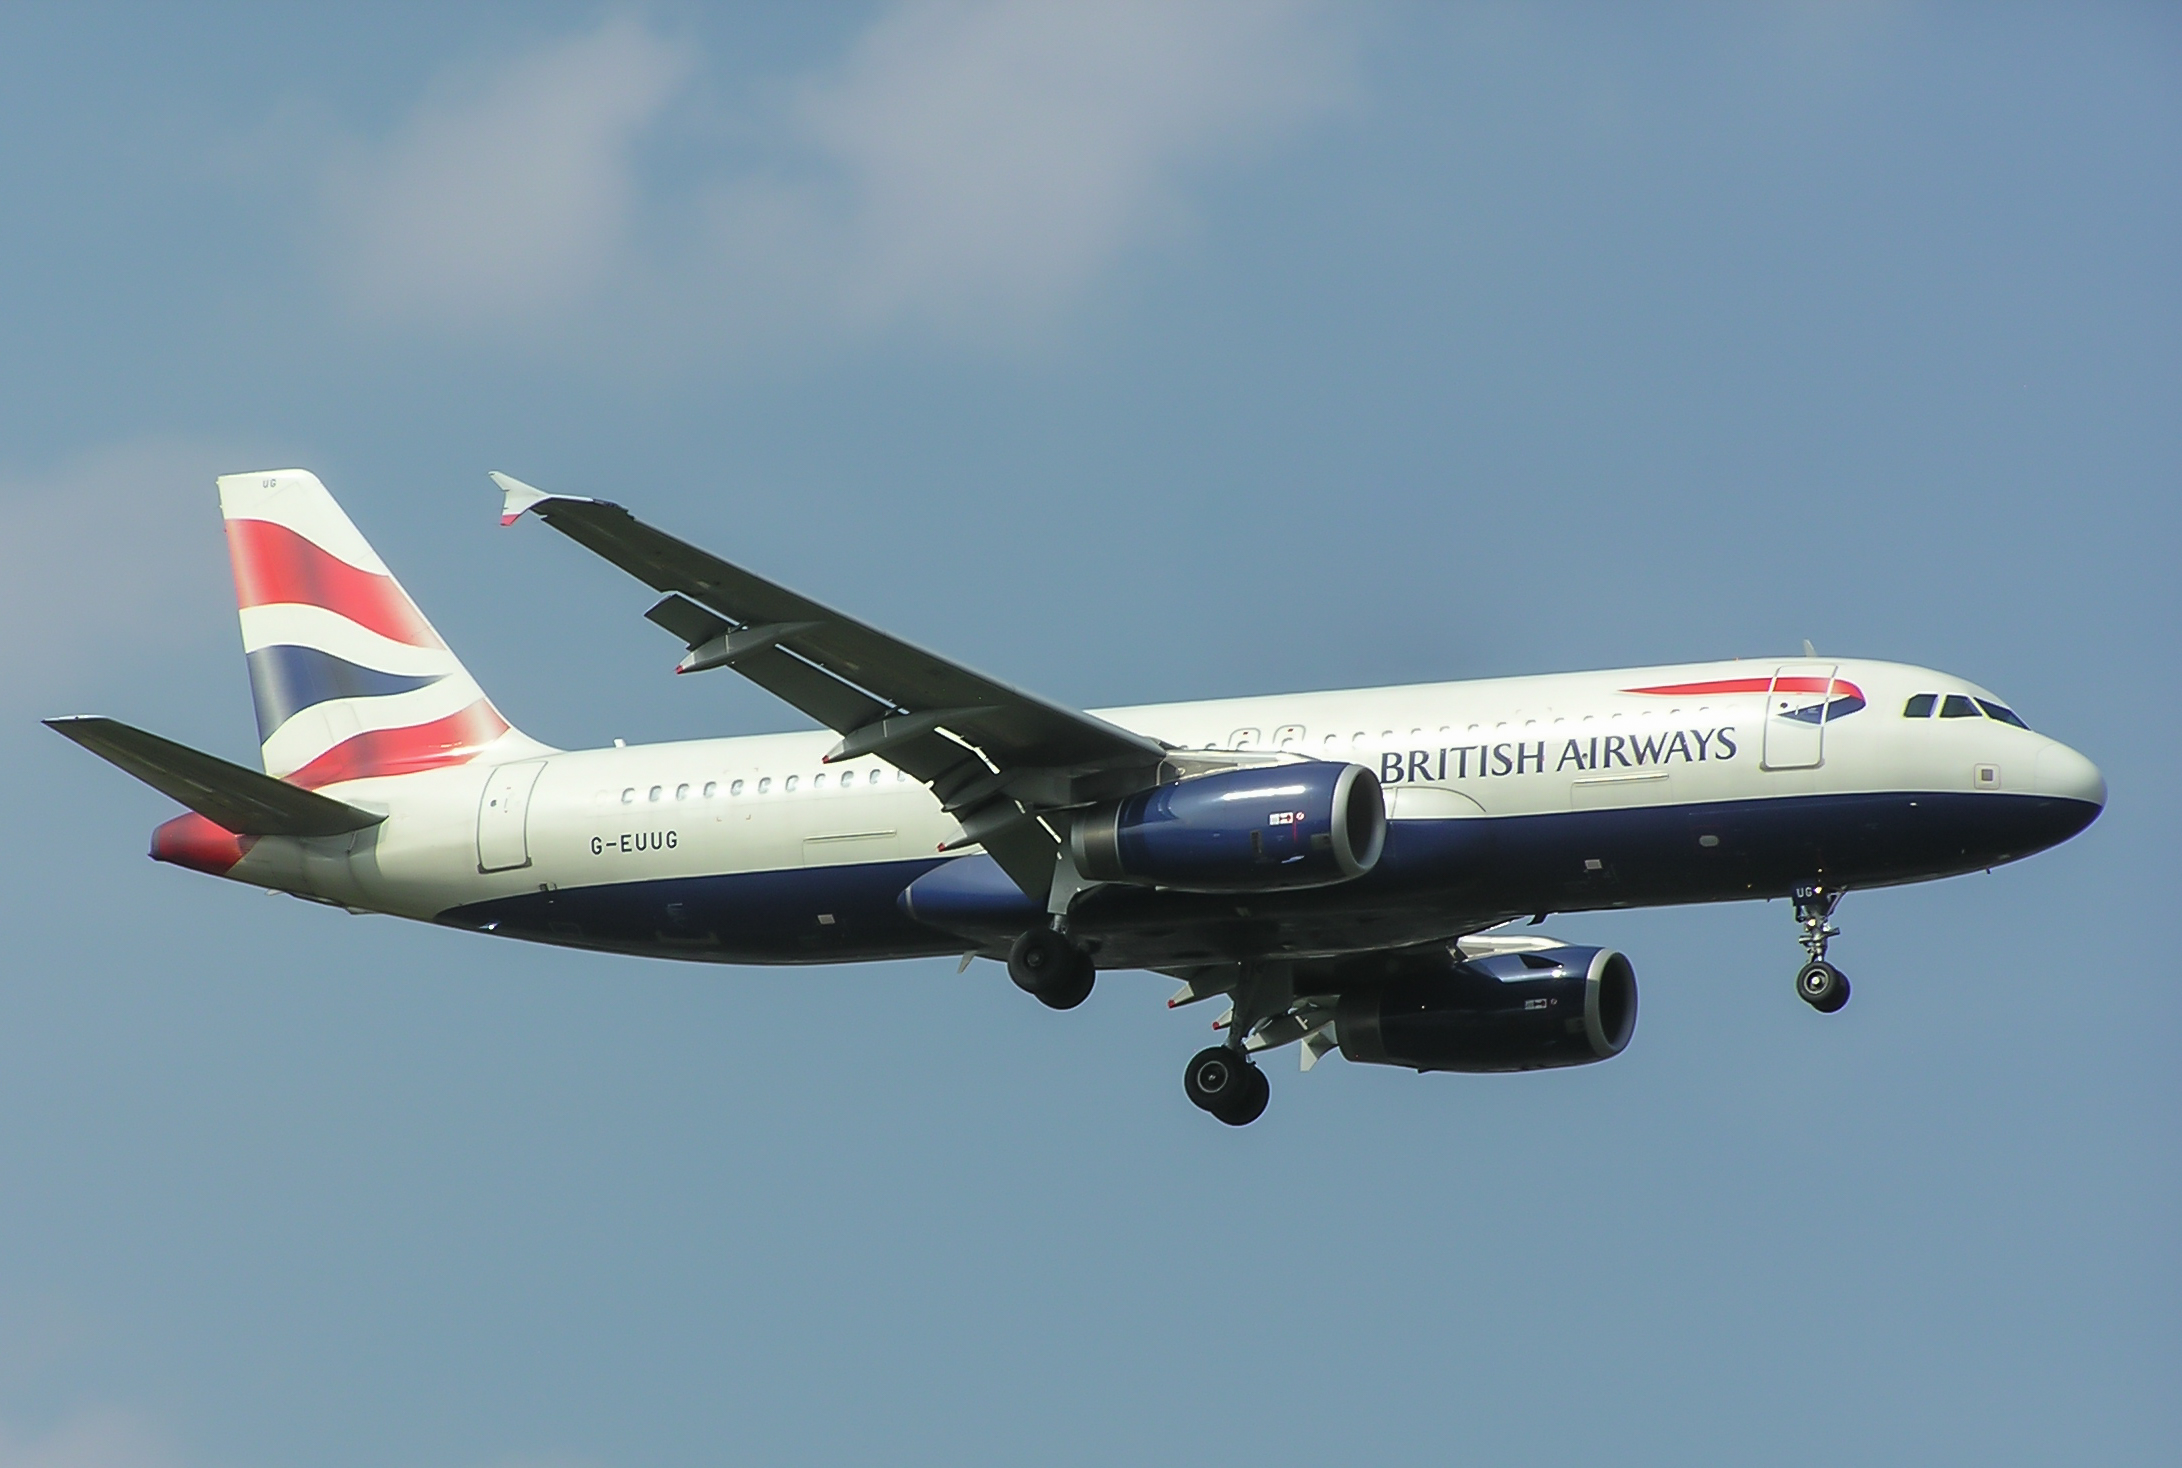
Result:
{"points": [[521, 498]]}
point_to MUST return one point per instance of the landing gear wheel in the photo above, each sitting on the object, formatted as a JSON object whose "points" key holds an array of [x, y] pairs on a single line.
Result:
{"points": [[1071, 990], [1822, 986], [1045, 965], [1222, 1081], [1253, 1105]]}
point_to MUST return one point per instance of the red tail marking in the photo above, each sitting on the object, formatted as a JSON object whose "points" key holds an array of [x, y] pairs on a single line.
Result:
{"points": [[273, 565], [193, 841], [449, 741]]}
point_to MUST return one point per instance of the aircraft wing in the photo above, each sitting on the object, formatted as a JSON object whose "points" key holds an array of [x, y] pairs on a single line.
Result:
{"points": [[233, 798], [1005, 763]]}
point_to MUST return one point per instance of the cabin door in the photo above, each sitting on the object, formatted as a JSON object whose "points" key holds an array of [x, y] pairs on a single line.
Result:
{"points": [[1795, 716], [503, 816]]}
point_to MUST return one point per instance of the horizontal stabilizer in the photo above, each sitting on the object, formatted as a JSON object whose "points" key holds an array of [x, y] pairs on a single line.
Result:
{"points": [[234, 798]]}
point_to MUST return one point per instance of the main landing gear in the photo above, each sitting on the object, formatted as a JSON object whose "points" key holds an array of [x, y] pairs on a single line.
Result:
{"points": [[1051, 969], [1818, 983], [1047, 965], [1222, 1081]]}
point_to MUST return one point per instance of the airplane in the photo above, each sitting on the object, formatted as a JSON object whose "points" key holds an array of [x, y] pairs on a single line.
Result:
{"points": [[1342, 868]]}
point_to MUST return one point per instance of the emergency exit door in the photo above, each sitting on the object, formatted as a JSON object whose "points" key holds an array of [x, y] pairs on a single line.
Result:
{"points": [[503, 816], [1795, 715]]}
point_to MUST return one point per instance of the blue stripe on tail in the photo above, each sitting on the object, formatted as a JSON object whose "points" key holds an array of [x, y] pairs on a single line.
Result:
{"points": [[286, 679]]}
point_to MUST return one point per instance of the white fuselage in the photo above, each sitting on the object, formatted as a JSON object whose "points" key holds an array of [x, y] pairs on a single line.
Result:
{"points": [[1459, 751]]}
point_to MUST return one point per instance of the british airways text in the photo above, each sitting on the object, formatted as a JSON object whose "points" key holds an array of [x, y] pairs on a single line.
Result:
{"points": [[1530, 757]]}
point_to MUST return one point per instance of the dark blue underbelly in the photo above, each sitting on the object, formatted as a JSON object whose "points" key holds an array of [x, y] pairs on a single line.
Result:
{"points": [[1436, 878]]}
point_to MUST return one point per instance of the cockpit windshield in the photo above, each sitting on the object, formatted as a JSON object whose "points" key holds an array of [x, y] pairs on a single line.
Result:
{"points": [[1959, 706]]}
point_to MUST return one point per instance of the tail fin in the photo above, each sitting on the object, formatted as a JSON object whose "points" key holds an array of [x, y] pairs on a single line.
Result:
{"points": [[348, 677]]}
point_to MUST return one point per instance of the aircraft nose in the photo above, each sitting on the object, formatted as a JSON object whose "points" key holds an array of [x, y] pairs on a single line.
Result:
{"points": [[2063, 772]]}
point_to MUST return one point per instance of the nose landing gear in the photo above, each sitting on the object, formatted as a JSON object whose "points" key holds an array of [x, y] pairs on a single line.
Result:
{"points": [[1818, 983], [1822, 986]]}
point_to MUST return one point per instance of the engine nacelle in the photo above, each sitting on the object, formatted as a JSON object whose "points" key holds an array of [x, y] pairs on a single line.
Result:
{"points": [[1309, 824], [1511, 1011]]}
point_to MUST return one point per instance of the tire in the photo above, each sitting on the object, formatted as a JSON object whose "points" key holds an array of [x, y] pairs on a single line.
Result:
{"points": [[1042, 960], [1070, 991], [1823, 987], [1213, 1077], [1251, 1105], [1222, 1082]]}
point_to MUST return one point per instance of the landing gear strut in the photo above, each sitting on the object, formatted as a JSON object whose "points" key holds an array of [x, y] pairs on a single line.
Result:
{"points": [[1818, 983], [1051, 969], [1222, 1081]]}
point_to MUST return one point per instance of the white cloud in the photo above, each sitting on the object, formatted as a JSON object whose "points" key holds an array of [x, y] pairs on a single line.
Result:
{"points": [[971, 164], [504, 194], [996, 158]]}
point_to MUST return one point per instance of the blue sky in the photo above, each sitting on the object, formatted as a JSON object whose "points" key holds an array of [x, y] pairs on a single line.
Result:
{"points": [[1131, 353]]}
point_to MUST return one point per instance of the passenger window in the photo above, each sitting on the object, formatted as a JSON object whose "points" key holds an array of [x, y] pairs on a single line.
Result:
{"points": [[793, 781], [657, 791], [765, 786], [2005, 715], [875, 774], [1958, 707], [712, 788], [1920, 706], [735, 788], [818, 782], [681, 792], [628, 796]]}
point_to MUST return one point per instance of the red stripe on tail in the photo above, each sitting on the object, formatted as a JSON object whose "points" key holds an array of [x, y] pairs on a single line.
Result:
{"points": [[449, 741], [273, 565]]}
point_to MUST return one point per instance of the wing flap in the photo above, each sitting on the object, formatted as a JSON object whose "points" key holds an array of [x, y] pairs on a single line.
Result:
{"points": [[242, 801]]}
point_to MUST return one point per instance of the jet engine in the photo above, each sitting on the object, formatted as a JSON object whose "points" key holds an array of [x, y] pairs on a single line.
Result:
{"points": [[1309, 824], [1509, 1011]]}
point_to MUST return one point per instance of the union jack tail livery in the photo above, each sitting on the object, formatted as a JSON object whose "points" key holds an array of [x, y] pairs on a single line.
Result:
{"points": [[348, 677]]}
